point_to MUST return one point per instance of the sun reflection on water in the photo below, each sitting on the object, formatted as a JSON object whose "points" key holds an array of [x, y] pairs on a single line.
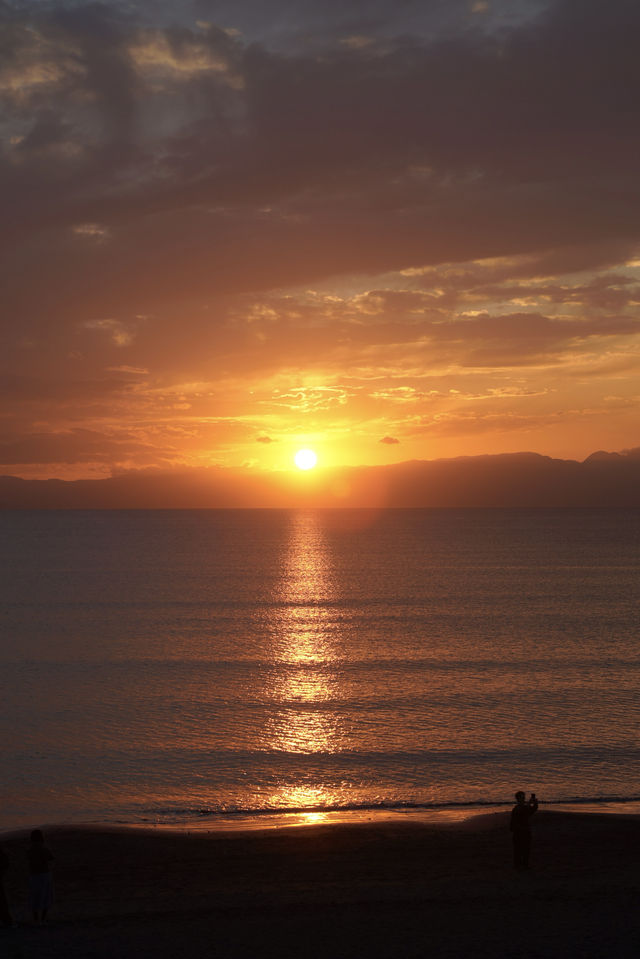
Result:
{"points": [[306, 800], [303, 680]]}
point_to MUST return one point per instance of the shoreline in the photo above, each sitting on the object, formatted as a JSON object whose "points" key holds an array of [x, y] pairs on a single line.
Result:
{"points": [[381, 890], [275, 820]]}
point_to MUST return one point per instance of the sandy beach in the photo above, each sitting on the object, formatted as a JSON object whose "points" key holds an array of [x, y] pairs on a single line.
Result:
{"points": [[340, 890]]}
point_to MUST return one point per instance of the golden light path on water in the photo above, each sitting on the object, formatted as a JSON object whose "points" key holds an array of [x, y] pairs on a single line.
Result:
{"points": [[305, 650]]}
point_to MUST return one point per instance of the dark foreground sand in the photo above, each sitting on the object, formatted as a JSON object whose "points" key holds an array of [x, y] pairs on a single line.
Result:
{"points": [[366, 891]]}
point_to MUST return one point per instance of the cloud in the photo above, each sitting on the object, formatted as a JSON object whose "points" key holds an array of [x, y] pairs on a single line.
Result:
{"points": [[472, 146], [116, 330], [389, 440], [76, 446], [352, 210]]}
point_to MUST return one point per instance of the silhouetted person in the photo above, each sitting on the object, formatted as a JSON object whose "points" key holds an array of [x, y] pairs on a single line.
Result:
{"points": [[40, 880], [5, 912], [521, 829]]}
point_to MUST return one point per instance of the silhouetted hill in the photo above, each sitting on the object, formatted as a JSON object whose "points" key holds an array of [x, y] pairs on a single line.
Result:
{"points": [[506, 480], [522, 479]]}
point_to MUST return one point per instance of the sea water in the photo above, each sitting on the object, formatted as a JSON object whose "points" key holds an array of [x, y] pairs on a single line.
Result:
{"points": [[168, 666]]}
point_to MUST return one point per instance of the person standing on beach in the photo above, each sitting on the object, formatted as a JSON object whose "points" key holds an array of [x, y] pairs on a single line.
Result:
{"points": [[5, 912], [521, 829], [40, 879]]}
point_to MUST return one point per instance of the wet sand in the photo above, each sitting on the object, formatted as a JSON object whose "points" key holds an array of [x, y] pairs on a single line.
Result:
{"points": [[370, 891]]}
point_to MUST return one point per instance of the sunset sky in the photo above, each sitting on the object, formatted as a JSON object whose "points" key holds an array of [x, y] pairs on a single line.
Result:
{"points": [[383, 230]]}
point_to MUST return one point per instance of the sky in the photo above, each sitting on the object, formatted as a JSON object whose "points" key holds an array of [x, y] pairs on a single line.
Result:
{"points": [[385, 230]]}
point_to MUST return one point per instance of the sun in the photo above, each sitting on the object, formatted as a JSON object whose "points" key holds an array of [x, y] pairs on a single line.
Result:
{"points": [[305, 459]]}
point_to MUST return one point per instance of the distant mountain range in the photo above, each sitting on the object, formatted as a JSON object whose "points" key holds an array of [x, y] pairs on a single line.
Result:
{"points": [[505, 480]]}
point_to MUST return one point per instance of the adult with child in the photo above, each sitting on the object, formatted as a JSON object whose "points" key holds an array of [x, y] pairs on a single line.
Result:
{"points": [[520, 826]]}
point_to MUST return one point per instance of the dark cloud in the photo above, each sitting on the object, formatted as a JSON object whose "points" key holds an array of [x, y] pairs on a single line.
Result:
{"points": [[363, 159], [314, 25], [74, 446], [390, 440]]}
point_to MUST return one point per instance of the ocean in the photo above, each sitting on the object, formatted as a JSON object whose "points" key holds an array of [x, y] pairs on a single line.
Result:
{"points": [[176, 667]]}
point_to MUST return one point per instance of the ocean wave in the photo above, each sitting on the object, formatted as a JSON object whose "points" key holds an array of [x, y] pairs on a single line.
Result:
{"points": [[178, 814]]}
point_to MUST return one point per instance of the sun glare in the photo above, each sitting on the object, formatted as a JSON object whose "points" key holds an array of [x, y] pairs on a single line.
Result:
{"points": [[305, 459]]}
